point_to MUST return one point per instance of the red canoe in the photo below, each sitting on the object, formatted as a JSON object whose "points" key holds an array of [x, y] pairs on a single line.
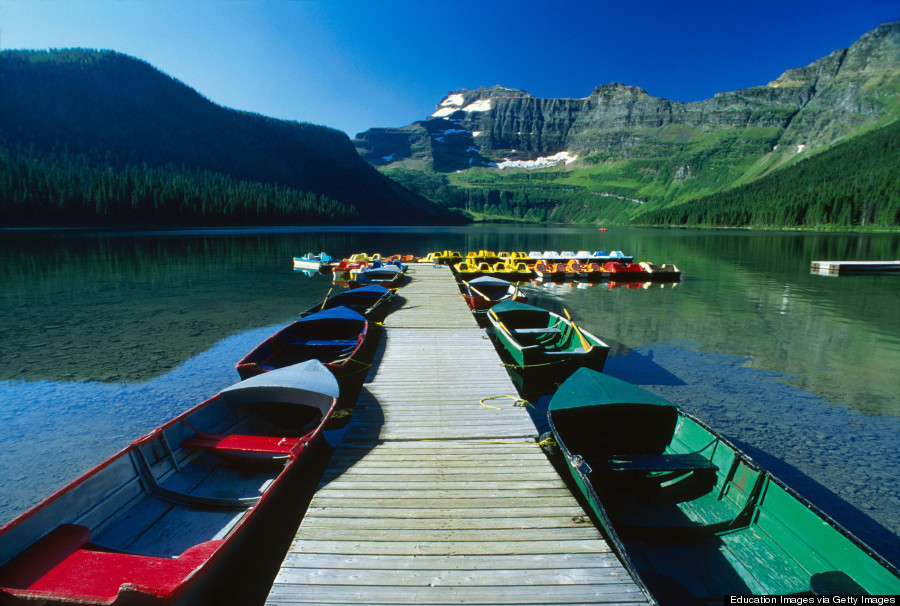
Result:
{"points": [[146, 525]]}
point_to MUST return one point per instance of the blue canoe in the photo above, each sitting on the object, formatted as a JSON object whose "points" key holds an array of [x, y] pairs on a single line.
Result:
{"points": [[371, 301], [332, 336]]}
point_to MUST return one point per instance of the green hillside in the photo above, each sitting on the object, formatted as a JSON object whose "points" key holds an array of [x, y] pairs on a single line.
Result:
{"points": [[851, 184], [854, 184], [97, 137], [621, 155]]}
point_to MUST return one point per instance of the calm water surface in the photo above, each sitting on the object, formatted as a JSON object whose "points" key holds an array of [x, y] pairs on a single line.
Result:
{"points": [[103, 336]]}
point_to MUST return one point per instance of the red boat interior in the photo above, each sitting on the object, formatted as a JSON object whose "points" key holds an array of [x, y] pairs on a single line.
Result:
{"points": [[152, 515]]}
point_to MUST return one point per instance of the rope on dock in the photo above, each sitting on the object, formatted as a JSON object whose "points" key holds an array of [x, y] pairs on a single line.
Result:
{"points": [[518, 401], [508, 365]]}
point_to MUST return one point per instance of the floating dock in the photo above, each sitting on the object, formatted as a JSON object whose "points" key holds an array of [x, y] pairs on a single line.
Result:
{"points": [[848, 268], [438, 495]]}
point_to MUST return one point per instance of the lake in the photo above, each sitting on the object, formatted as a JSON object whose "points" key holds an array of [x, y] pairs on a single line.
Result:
{"points": [[105, 335]]}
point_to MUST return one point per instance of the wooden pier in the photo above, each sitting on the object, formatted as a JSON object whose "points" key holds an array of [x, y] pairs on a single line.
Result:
{"points": [[858, 268], [438, 495]]}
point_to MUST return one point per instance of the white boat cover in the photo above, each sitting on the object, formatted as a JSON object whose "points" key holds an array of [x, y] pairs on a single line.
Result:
{"points": [[308, 383]]}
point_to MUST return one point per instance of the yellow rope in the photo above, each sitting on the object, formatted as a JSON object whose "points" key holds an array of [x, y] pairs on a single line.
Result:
{"points": [[547, 442], [351, 359], [516, 403], [535, 365], [365, 365]]}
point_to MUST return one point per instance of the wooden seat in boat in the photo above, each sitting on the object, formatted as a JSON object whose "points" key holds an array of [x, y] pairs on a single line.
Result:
{"points": [[535, 331], [242, 444], [64, 562], [323, 342], [41, 557], [649, 463], [533, 336], [685, 497]]}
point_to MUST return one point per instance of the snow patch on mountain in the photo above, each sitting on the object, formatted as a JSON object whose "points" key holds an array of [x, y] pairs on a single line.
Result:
{"points": [[543, 162], [453, 103], [482, 105], [455, 99], [444, 112]]}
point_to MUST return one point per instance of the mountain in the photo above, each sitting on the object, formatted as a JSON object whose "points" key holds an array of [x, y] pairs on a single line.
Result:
{"points": [[851, 183], [104, 111], [621, 144]]}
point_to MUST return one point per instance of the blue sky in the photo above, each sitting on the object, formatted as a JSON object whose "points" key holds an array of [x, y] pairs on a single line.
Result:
{"points": [[354, 65]]}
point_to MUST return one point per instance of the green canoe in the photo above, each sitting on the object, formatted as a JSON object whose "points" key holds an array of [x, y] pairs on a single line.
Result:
{"points": [[542, 342], [691, 516]]}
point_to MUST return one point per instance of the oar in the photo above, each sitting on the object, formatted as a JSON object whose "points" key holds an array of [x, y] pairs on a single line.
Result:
{"points": [[584, 342], [515, 292], [469, 284], [326, 298], [499, 323]]}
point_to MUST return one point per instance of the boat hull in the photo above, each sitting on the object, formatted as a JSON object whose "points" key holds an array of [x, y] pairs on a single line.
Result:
{"points": [[156, 523], [688, 513], [544, 347], [334, 337], [311, 262], [484, 292], [372, 302], [662, 273], [625, 272], [307, 265], [479, 304]]}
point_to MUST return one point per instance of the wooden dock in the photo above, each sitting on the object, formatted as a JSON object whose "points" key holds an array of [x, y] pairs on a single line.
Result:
{"points": [[858, 268], [437, 496]]}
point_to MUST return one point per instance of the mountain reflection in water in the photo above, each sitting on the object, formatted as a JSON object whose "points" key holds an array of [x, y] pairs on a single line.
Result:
{"points": [[106, 335]]}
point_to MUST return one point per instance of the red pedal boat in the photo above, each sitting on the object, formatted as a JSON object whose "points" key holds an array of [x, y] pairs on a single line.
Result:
{"points": [[625, 271]]}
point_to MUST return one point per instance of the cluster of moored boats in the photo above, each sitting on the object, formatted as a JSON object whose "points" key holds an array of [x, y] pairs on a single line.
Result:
{"points": [[545, 265], [691, 517], [562, 267], [359, 269], [159, 522]]}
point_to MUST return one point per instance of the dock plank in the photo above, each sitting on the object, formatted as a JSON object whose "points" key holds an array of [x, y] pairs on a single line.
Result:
{"points": [[421, 514], [437, 595], [428, 521], [439, 493], [458, 578], [416, 548]]}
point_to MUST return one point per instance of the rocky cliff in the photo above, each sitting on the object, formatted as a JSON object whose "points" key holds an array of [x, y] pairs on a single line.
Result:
{"points": [[804, 108]]}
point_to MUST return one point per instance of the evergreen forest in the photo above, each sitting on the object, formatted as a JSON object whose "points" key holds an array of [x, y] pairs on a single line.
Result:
{"points": [[853, 184], [97, 137], [75, 191]]}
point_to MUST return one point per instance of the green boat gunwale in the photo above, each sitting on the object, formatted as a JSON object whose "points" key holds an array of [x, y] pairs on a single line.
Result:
{"points": [[793, 515], [548, 339]]}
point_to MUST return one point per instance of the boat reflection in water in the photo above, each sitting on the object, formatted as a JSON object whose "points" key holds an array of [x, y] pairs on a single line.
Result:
{"points": [[609, 285]]}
